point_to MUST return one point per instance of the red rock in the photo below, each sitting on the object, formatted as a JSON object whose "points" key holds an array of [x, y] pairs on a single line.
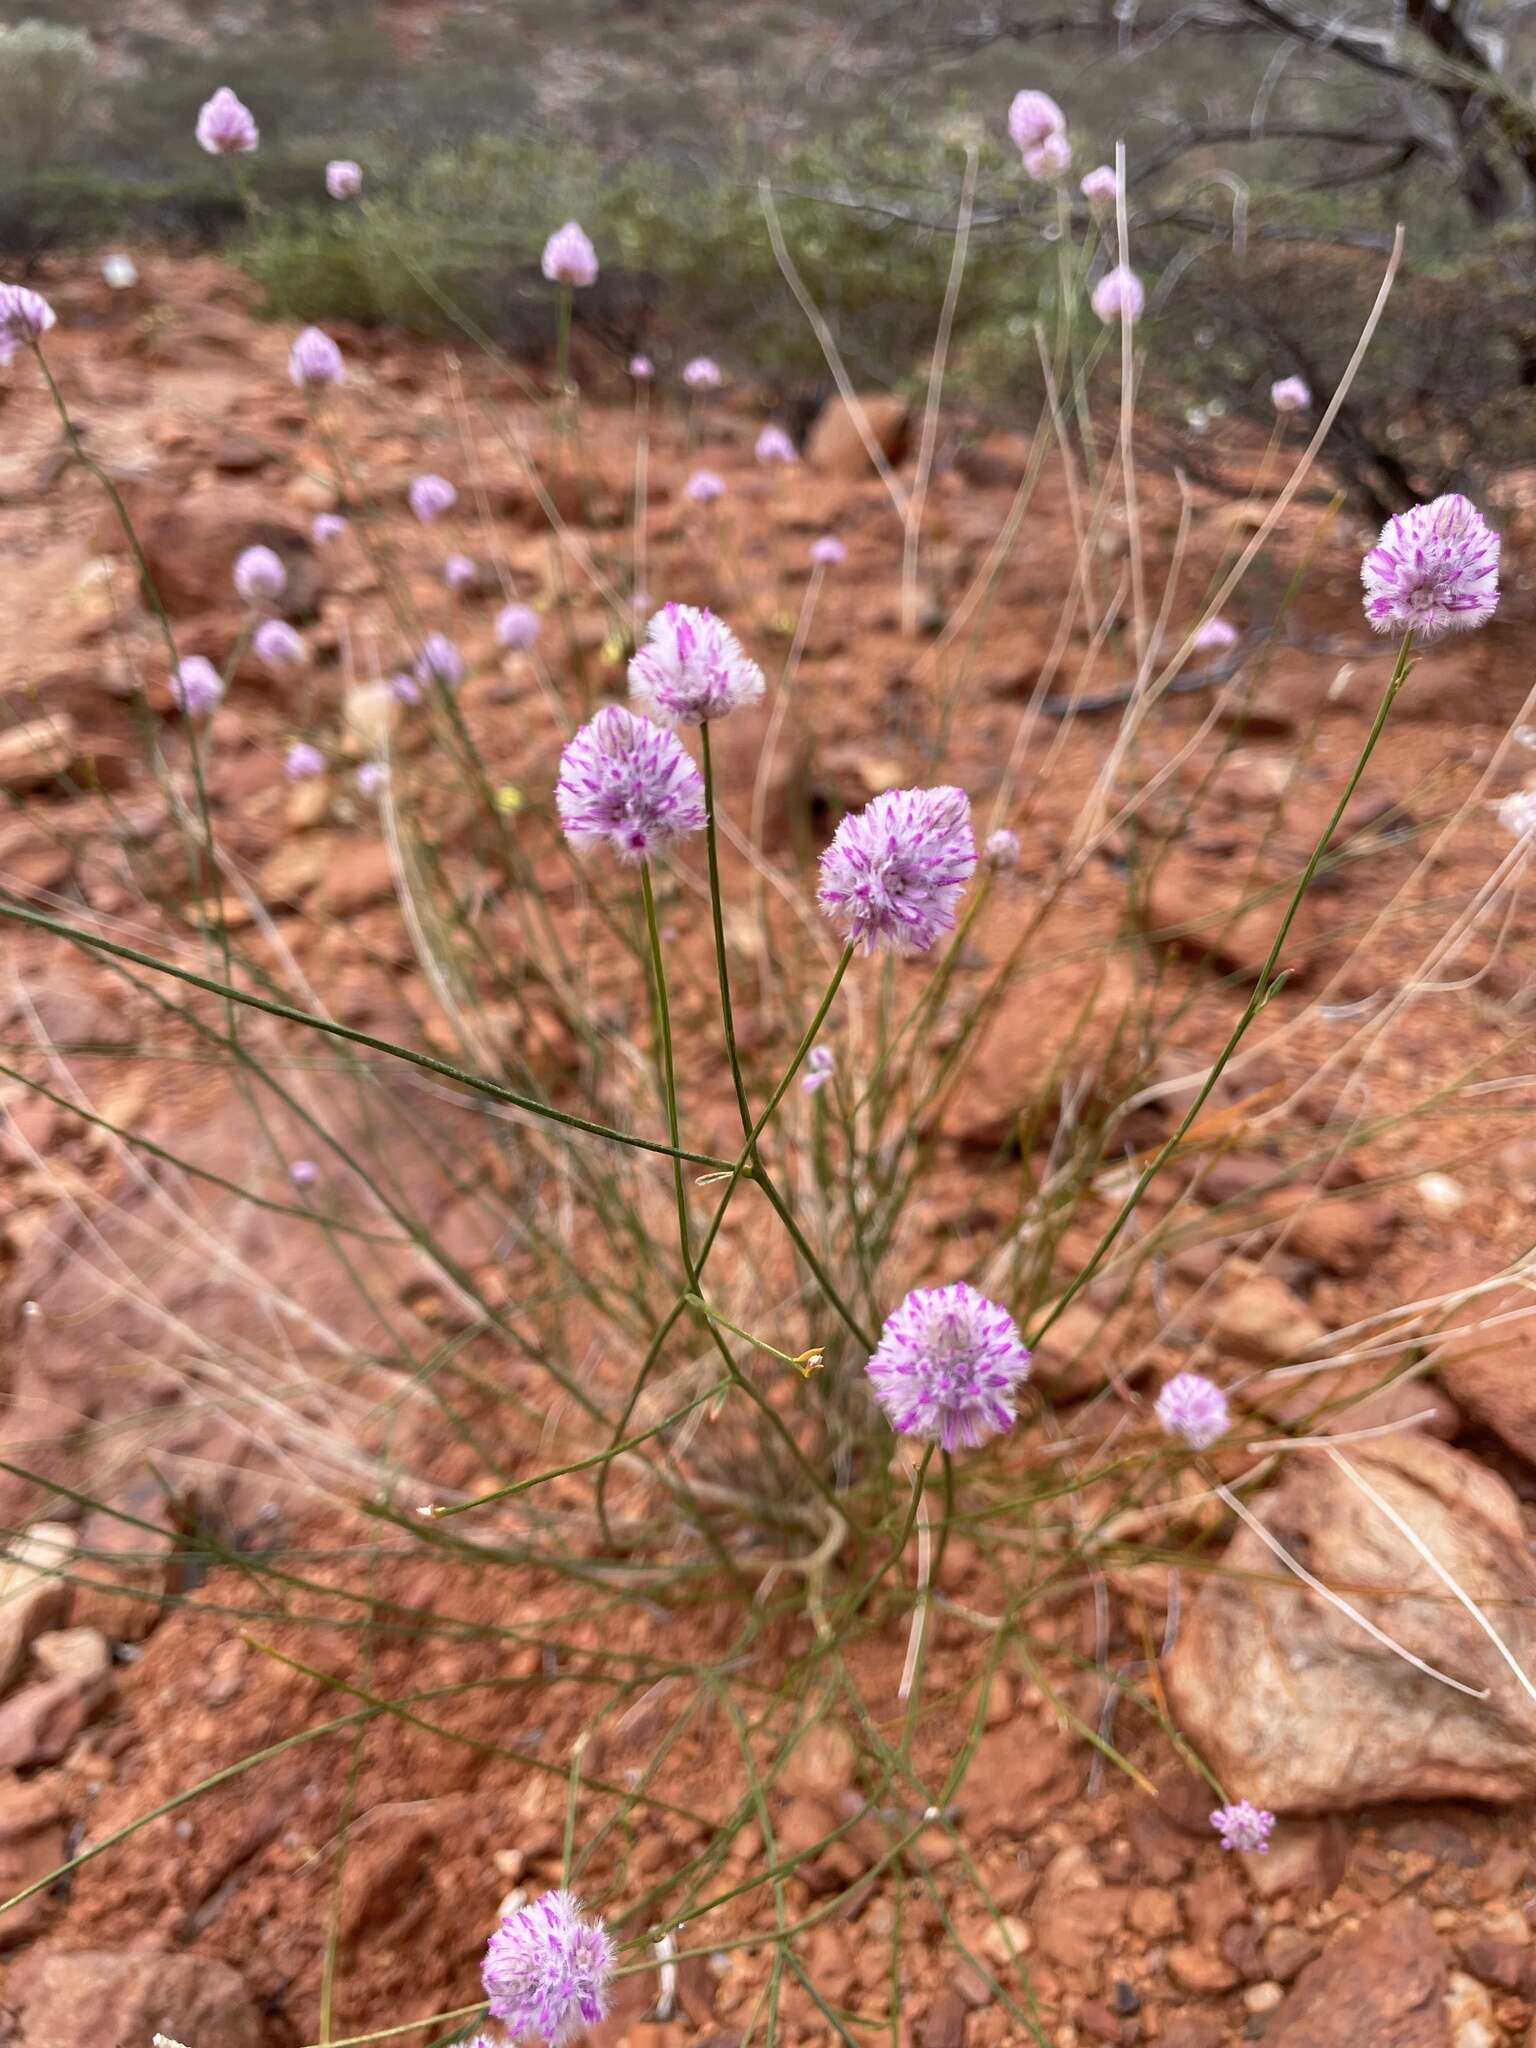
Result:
{"points": [[33, 1595], [359, 875], [1380, 1985], [1326, 1717], [835, 446], [123, 2000], [32, 1834], [191, 543], [1017, 1774], [1078, 1928], [1199, 1970], [39, 1723]]}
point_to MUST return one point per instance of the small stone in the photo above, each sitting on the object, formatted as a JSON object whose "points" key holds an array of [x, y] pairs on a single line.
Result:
{"points": [[38, 751], [836, 447], [1469, 2009], [1287, 1951], [33, 1595], [39, 1723], [1155, 1913], [1197, 1969], [73, 1653], [1263, 1997]]}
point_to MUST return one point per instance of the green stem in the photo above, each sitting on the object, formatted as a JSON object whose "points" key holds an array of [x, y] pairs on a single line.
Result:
{"points": [[668, 1068], [1266, 985], [20, 915]]}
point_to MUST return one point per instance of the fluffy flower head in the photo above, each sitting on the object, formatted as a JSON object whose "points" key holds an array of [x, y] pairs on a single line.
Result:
{"points": [[774, 445], [226, 126], [827, 551], [517, 627], [1002, 850], [1244, 1826], [896, 870], [1517, 813], [328, 526], [1215, 636], [372, 778], [197, 688], [820, 1064], [546, 1971], [1435, 570], [703, 374], [629, 782], [439, 660], [277, 646], [461, 573], [259, 573], [704, 487], [569, 257], [404, 688], [1194, 1408], [1119, 295], [343, 178], [1049, 159], [946, 1367], [1032, 117], [1101, 188], [1290, 394], [302, 762], [25, 315], [303, 1173], [642, 369], [314, 361], [691, 668], [430, 497]]}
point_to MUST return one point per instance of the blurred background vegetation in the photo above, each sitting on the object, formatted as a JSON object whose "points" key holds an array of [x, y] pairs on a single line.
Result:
{"points": [[1271, 150]]}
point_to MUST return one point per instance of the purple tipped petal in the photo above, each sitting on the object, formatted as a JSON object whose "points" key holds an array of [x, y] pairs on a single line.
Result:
{"points": [[691, 668], [1194, 1408], [896, 870], [546, 1971], [629, 782], [1435, 570], [947, 1366]]}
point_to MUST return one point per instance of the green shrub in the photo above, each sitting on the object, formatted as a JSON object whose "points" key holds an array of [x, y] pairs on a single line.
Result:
{"points": [[44, 76]]}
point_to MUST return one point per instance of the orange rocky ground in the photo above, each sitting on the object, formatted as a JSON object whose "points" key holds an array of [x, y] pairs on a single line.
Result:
{"points": [[1398, 1923]]}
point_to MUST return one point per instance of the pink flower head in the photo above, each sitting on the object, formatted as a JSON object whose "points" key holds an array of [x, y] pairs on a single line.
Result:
{"points": [[774, 445], [1101, 189], [226, 126], [1517, 813], [328, 526], [404, 688], [627, 781], [1290, 394], [343, 178], [1050, 159], [259, 574], [1434, 570], [820, 1064], [1244, 1827], [517, 627], [276, 646], [569, 258], [896, 870], [314, 361], [303, 1173], [197, 688], [692, 668], [642, 369], [827, 551], [1118, 296], [703, 374], [460, 573], [25, 315], [1194, 1408], [946, 1367], [1032, 117], [1002, 850], [704, 487], [430, 497], [439, 661], [1215, 636], [546, 1971], [302, 762], [372, 778]]}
